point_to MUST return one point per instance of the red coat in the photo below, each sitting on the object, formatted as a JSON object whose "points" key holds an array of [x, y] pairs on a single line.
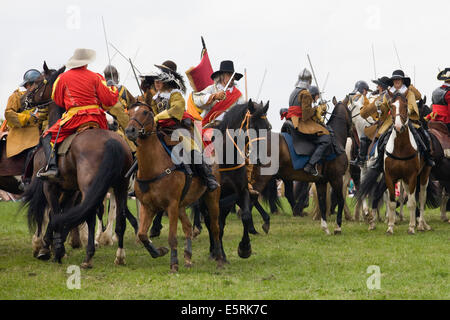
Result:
{"points": [[87, 92], [441, 112]]}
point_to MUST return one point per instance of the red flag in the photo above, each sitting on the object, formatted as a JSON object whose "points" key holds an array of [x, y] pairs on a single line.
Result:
{"points": [[200, 76]]}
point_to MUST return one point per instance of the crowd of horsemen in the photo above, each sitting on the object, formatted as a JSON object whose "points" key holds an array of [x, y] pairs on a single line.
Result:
{"points": [[89, 98]]}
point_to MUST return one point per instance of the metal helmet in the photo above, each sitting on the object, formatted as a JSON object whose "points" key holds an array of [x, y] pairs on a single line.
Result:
{"points": [[304, 79], [111, 73], [360, 86], [438, 96], [314, 91], [30, 76]]}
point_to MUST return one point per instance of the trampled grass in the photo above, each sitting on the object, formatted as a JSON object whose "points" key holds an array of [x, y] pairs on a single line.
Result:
{"points": [[296, 260]]}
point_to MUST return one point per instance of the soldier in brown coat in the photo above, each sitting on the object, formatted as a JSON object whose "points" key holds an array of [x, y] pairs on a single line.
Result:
{"points": [[25, 125]]}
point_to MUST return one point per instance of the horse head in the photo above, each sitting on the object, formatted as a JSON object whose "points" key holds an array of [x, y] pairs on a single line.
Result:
{"points": [[258, 116], [142, 123], [41, 91], [398, 105]]}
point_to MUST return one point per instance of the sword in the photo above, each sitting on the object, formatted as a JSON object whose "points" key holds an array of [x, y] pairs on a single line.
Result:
{"points": [[134, 72], [123, 56], [229, 82], [314, 76], [107, 47], [262, 82]]}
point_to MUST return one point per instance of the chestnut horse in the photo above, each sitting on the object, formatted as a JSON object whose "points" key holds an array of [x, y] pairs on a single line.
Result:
{"points": [[96, 161], [160, 187], [402, 162]]}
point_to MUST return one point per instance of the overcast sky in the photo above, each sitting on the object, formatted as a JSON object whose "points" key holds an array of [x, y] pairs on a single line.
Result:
{"points": [[256, 35]]}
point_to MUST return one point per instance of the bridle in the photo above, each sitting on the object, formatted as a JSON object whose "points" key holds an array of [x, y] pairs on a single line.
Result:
{"points": [[142, 132], [29, 100]]}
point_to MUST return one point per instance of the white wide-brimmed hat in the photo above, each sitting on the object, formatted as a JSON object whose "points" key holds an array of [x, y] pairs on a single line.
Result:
{"points": [[81, 57]]}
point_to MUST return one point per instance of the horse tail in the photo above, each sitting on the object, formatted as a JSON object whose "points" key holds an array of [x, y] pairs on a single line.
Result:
{"points": [[34, 199], [368, 184], [434, 194], [270, 193], [110, 170]]}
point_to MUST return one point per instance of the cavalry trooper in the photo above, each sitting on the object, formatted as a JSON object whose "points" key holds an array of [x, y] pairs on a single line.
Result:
{"points": [[441, 100], [85, 95], [168, 105], [214, 101], [378, 109], [400, 83], [362, 88], [24, 122], [303, 116], [126, 99]]}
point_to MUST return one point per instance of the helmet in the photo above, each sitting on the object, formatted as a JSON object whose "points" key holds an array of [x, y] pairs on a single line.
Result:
{"points": [[30, 76], [314, 91], [111, 73], [360, 86], [304, 79]]}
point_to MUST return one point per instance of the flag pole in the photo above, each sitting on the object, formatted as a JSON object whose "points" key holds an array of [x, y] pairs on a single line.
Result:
{"points": [[246, 91]]}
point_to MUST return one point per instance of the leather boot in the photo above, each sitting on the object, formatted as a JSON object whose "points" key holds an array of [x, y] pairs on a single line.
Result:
{"points": [[363, 151], [205, 172], [51, 170], [250, 180]]}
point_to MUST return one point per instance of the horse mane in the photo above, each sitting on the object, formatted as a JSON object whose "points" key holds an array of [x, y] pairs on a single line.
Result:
{"points": [[233, 118], [55, 74]]}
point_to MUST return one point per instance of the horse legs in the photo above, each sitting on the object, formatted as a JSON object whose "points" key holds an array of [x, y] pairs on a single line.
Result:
{"points": [[90, 248], [37, 243], [390, 204], [172, 211], [105, 238], [197, 220], [212, 215], [155, 231], [245, 248], [424, 180], [145, 219], [264, 215], [322, 200], [444, 206], [337, 190], [187, 229], [289, 192]]}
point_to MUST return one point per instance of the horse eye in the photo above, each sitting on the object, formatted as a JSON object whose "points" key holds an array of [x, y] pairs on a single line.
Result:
{"points": [[145, 113]]}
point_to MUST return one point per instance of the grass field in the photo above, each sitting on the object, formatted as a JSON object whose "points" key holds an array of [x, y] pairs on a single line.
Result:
{"points": [[295, 261]]}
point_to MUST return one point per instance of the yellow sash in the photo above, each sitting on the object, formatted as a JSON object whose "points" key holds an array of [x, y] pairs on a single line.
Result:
{"points": [[73, 111]]}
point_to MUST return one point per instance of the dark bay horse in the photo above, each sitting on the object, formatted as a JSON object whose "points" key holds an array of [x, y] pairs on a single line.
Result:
{"points": [[96, 161], [160, 187], [402, 163], [332, 171]]}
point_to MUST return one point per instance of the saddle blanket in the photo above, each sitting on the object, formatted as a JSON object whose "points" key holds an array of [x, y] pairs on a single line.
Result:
{"points": [[300, 161]]}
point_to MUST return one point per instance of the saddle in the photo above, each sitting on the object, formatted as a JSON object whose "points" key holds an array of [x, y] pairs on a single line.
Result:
{"points": [[13, 166], [440, 131]]}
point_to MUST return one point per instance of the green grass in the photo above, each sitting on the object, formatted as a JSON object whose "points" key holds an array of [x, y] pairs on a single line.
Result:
{"points": [[295, 261]]}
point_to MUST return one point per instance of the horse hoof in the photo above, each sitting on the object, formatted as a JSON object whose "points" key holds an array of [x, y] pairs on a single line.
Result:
{"points": [[188, 265], [337, 232], [174, 268], [389, 233], [244, 254], [163, 251], [119, 261], [266, 227], [196, 232], [44, 255], [327, 232], [154, 233], [411, 232], [86, 265], [371, 228], [253, 231]]}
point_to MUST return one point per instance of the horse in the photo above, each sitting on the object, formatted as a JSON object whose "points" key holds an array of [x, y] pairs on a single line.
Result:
{"points": [[155, 176], [96, 161], [402, 162], [332, 171]]}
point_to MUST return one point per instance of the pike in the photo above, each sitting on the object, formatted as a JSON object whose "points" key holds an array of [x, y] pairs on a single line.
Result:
{"points": [[374, 64], [107, 47], [314, 76], [123, 56], [261, 85], [398, 57]]}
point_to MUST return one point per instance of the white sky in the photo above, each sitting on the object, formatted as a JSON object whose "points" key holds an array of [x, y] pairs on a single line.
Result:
{"points": [[256, 35]]}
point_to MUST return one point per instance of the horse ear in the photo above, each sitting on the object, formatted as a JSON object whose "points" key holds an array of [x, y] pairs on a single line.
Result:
{"points": [[251, 106], [266, 108], [425, 100], [335, 102], [46, 69]]}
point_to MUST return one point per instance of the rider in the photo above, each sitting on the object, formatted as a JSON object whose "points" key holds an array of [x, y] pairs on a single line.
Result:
{"points": [[441, 100], [362, 88], [302, 113], [126, 99], [24, 122], [400, 83], [169, 105], [85, 95]]}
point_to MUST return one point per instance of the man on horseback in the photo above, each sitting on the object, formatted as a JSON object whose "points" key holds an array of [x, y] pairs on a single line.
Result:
{"points": [[24, 121], [303, 116], [85, 95], [126, 99], [441, 100], [169, 105], [362, 88]]}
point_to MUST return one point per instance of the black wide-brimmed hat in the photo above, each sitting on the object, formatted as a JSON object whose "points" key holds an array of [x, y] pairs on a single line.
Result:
{"points": [[384, 82], [399, 74], [170, 67], [444, 75], [227, 66]]}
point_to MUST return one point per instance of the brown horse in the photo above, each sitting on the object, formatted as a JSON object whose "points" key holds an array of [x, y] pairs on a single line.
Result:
{"points": [[402, 162], [332, 171], [96, 161], [160, 187]]}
